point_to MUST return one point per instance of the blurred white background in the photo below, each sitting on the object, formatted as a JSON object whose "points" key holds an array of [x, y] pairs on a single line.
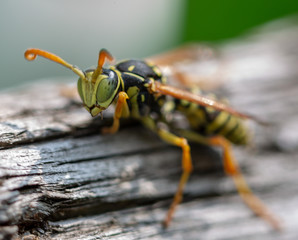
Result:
{"points": [[76, 31]]}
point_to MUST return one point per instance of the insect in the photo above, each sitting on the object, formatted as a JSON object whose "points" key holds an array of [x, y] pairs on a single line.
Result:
{"points": [[139, 91]]}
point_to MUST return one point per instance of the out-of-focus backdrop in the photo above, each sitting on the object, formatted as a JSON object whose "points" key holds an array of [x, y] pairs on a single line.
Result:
{"points": [[77, 30]]}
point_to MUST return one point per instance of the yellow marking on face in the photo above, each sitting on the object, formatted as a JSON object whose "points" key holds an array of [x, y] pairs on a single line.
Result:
{"points": [[131, 68], [95, 111]]}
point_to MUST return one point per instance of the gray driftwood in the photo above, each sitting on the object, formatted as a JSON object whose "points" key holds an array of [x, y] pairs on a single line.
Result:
{"points": [[61, 179]]}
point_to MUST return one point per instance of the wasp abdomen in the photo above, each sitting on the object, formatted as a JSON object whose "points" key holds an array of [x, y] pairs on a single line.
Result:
{"points": [[229, 126], [210, 122]]}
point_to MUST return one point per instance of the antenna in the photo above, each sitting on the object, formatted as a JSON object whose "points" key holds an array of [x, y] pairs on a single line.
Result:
{"points": [[31, 54], [103, 55]]}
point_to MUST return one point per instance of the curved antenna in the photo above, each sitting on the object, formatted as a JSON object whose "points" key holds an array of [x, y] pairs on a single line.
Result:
{"points": [[103, 55], [31, 54]]}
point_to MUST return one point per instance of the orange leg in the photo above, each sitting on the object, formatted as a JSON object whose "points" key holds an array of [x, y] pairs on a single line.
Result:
{"points": [[232, 169], [186, 166], [120, 106]]}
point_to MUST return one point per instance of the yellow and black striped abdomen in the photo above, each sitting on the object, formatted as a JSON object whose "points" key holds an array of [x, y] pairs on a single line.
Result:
{"points": [[210, 122], [229, 126]]}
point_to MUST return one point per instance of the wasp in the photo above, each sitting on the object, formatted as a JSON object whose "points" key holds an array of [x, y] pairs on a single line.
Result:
{"points": [[138, 90]]}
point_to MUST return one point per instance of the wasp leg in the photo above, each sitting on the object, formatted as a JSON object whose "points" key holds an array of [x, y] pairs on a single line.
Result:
{"points": [[186, 163], [120, 110], [186, 167], [232, 169]]}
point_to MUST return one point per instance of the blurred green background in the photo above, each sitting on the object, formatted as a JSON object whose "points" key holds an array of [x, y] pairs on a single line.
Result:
{"points": [[77, 30], [217, 20]]}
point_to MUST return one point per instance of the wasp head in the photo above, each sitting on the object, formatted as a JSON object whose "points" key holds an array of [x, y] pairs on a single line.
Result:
{"points": [[97, 94], [97, 88]]}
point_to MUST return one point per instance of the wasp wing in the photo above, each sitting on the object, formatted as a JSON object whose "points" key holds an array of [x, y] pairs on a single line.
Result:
{"points": [[200, 100], [186, 53], [192, 64]]}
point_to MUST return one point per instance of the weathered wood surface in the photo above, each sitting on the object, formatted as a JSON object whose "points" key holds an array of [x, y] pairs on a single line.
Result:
{"points": [[61, 179]]}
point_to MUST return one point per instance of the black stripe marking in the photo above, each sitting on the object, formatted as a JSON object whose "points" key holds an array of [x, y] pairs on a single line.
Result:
{"points": [[232, 131], [220, 127]]}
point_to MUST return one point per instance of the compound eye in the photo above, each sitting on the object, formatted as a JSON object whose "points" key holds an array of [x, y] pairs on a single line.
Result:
{"points": [[106, 90]]}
